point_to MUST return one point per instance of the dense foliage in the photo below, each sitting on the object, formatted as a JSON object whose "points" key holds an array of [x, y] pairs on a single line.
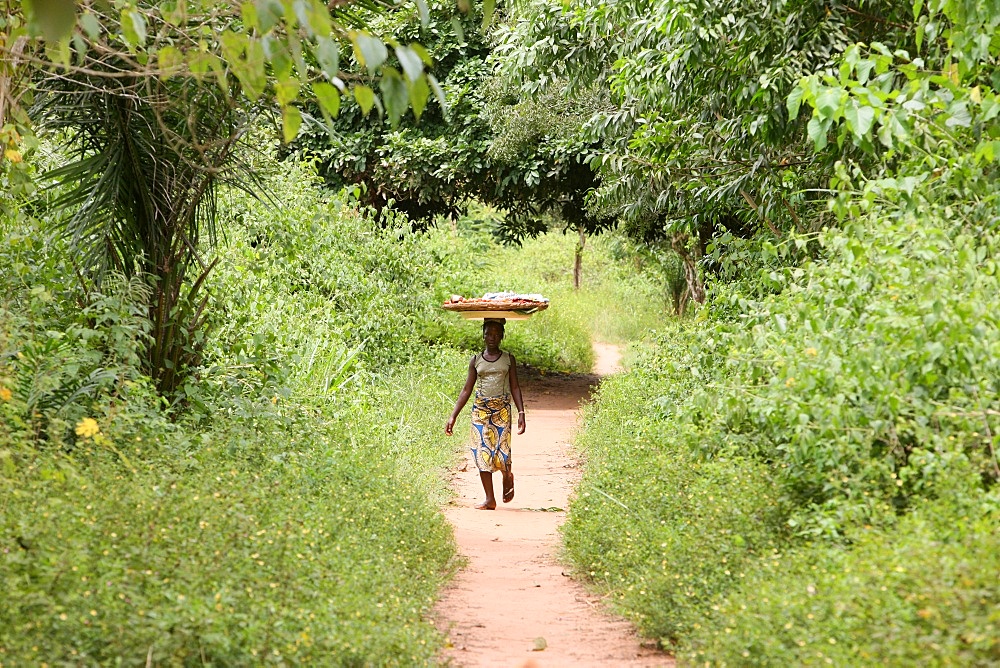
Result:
{"points": [[287, 509], [488, 144], [152, 101], [818, 447], [805, 471]]}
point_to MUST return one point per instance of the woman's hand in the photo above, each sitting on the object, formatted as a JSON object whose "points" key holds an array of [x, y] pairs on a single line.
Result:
{"points": [[520, 423], [449, 425]]}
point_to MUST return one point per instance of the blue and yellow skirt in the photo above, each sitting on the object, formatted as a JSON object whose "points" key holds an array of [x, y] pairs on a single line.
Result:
{"points": [[491, 419]]}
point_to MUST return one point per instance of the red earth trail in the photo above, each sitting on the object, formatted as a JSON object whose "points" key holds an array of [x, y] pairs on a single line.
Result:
{"points": [[513, 604]]}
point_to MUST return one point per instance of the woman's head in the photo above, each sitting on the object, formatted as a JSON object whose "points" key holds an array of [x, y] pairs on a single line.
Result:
{"points": [[495, 327]]}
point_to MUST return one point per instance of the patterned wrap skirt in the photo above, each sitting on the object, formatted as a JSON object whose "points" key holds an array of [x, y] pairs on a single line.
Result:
{"points": [[491, 419]]}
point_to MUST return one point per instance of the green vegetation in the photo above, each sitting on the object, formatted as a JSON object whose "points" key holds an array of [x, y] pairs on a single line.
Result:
{"points": [[219, 381], [284, 508], [817, 447], [778, 464], [288, 512]]}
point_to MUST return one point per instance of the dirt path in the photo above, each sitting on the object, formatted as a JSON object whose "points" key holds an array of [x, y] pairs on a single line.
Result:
{"points": [[513, 592]]}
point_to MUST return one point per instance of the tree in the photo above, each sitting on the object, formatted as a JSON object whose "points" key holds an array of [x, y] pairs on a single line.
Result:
{"points": [[699, 142], [152, 100], [526, 157]]}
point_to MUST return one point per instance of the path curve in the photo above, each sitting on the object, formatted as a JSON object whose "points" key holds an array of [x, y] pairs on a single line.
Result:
{"points": [[514, 592]]}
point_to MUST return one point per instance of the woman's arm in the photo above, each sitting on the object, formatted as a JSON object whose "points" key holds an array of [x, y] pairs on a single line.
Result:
{"points": [[463, 396], [515, 392]]}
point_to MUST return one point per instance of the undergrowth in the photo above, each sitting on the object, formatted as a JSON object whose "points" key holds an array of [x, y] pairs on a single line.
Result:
{"points": [[283, 508], [809, 476]]}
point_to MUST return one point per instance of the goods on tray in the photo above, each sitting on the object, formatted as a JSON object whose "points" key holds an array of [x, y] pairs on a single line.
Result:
{"points": [[498, 302]]}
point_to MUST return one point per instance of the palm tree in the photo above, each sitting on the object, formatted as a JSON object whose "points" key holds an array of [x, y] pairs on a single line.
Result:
{"points": [[147, 157]]}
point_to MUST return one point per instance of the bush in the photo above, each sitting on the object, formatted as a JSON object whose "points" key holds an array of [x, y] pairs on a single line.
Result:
{"points": [[924, 593], [808, 428], [662, 528], [285, 511], [291, 542]]}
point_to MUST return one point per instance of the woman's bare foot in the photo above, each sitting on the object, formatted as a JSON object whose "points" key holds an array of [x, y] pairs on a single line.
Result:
{"points": [[488, 504], [508, 486]]}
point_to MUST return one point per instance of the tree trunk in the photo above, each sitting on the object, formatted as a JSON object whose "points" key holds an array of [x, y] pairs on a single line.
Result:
{"points": [[695, 288], [578, 259]]}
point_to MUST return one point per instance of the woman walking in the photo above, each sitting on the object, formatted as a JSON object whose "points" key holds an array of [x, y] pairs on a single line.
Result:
{"points": [[493, 375]]}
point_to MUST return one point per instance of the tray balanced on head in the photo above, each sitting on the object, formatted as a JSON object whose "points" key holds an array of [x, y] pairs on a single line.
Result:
{"points": [[509, 305]]}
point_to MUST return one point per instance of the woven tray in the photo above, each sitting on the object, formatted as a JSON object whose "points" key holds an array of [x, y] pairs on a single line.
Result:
{"points": [[520, 306]]}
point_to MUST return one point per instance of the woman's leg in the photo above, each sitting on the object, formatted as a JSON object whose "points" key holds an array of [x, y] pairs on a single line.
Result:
{"points": [[490, 503]]}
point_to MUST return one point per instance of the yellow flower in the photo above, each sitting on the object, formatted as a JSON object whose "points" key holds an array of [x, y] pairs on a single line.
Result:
{"points": [[811, 352], [790, 382], [87, 428], [5, 394], [13, 155]]}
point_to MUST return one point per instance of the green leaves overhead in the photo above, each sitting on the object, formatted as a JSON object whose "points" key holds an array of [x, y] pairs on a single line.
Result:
{"points": [[365, 98], [370, 51], [275, 50], [702, 138], [328, 97]]}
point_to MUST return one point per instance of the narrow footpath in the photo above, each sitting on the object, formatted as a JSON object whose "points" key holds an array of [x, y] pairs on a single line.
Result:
{"points": [[513, 604]]}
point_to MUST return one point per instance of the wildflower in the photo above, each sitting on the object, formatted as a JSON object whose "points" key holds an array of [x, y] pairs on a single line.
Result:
{"points": [[87, 428], [5, 394], [811, 352], [790, 382]]}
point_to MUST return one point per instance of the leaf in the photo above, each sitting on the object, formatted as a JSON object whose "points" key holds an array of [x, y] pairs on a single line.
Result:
{"points": [[276, 53], [248, 11], [328, 55], [859, 118], [55, 18], [438, 93], [425, 14], [793, 102], [250, 70], [269, 12], [395, 95], [489, 7], [170, 60], [828, 102], [134, 28], [422, 52], [370, 51], [864, 69], [419, 94], [286, 90], [817, 132], [328, 97], [413, 66], [958, 115], [291, 120], [866, 117], [456, 26], [988, 151], [90, 25], [365, 97]]}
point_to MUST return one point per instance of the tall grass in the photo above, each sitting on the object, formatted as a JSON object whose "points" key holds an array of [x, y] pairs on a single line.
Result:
{"points": [[618, 301]]}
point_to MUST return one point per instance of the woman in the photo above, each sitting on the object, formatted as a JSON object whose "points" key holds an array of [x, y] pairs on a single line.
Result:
{"points": [[493, 374]]}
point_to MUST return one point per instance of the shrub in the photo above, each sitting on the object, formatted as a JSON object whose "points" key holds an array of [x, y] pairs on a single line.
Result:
{"points": [[292, 542], [923, 593]]}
